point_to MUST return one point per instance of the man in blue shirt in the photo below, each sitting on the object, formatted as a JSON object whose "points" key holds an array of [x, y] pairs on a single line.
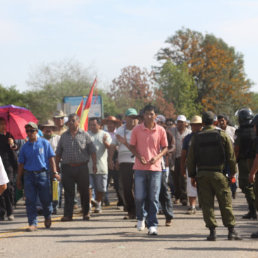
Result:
{"points": [[34, 159]]}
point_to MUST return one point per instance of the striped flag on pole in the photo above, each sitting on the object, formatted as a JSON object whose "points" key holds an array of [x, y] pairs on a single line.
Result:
{"points": [[84, 115]]}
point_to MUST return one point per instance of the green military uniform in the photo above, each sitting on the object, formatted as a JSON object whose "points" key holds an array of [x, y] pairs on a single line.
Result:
{"points": [[207, 167], [256, 176], [244, 140]]}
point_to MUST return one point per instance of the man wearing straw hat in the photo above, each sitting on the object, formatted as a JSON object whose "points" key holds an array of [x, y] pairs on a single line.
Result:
{"points": [[58, 118], [196, 126], [48, 133]]}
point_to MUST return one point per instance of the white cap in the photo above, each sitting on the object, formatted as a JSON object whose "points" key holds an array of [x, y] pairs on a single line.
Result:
{"points": [[181, 118], [160, 118]]}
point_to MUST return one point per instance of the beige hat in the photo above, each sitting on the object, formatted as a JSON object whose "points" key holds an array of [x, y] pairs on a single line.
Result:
{"points": [[196, 120], [48, 123], [59, 114]]}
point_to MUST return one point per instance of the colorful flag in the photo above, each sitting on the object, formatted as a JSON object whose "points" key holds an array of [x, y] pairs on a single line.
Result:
{"points": [[84, 115], [79, 109]]}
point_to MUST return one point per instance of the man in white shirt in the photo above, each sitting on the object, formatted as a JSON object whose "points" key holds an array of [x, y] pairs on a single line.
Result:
{"points": [[3, 178], [179, 132], [126, 161], [102, 141]]}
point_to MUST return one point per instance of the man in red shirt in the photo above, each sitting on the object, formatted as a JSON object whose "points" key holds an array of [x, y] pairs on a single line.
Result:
{"points": [[148, 144]]}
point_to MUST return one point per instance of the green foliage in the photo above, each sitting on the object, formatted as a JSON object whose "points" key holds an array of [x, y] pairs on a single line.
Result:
{"points": [[51, 83], [109, 105], [216, 69], [10, 96], [179, 88], [254, 102]]}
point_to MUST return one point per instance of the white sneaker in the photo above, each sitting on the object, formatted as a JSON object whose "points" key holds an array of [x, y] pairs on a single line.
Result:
{"points": [[153, 231], [141, 225], [98, 208]]}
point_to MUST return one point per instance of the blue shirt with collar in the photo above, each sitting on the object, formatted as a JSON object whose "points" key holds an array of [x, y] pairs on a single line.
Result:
{"points": [[35, 155]]}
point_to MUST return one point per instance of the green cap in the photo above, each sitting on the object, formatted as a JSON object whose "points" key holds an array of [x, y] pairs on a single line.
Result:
{"points": [[33, 125], [131, 112]]}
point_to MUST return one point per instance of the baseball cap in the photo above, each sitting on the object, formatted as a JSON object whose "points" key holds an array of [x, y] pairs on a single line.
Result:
{"points": [[181, 118], [131, 112], [33, 125], [160, 118]]}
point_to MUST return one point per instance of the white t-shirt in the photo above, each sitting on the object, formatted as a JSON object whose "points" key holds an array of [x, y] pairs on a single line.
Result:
{"points": [[54, 141], [3, 176], [124, 155], [101, 151], [230, 131], [179, 139]]}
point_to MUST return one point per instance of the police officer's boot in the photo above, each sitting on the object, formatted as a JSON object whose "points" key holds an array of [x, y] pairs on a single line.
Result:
{"points": [[232, 234], [252, 212], [212, 235]]}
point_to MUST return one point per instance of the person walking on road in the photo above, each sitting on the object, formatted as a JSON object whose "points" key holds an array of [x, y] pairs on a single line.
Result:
{"points": [[179, 182], [98, 179], [245, 154], [34, 159], [164, 196], [208, 153], [126, 161], [148, 144], [253, 177], [74, 150], [196, 126], [3, 178], [9, 159]]}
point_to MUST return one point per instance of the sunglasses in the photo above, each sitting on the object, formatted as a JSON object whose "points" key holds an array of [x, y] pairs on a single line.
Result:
{"points": [[31, 130]]}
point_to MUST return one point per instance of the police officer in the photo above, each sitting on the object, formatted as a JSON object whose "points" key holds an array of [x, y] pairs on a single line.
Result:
{"points": [[253, 178], [245, 153], [209, 151]]}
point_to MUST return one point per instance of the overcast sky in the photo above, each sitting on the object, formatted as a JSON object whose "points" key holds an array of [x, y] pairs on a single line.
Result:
{"points": [[108, 35]]}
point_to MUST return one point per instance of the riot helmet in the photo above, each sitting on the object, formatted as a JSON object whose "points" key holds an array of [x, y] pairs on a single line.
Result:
{"points": [[245, 116]]}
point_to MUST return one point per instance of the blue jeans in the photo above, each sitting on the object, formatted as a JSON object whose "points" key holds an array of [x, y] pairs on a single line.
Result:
{"points": [[37, 184], [147, 187]]}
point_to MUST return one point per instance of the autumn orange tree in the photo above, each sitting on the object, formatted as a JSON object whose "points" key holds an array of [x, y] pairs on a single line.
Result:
{"points": [[217, 69]]}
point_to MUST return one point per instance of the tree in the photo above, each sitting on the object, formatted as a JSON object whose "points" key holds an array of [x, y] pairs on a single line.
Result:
{"points": [[10, 96], [164, 107], [216, 68], [178, 88], [133, 88], [254, 102], [51, 83]]}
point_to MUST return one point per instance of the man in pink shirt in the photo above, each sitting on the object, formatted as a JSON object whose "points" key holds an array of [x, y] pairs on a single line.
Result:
{"points": [[148, 144]]}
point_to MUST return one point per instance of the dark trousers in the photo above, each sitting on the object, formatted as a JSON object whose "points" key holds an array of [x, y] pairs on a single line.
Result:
{"points": [[179, 181], [126, 186], [165, 198], [70, 176], [114, 174], [7, 198]]}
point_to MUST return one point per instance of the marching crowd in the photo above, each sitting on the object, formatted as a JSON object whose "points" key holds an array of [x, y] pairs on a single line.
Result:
{"points": [[150, 159]]}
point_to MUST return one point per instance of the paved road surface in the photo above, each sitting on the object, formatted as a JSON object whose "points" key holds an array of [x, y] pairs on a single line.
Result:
{"points": [[108, 235]]}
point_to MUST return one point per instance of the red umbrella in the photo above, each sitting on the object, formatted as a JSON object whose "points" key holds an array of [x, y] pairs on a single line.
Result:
{"points": [[16, 118]]}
